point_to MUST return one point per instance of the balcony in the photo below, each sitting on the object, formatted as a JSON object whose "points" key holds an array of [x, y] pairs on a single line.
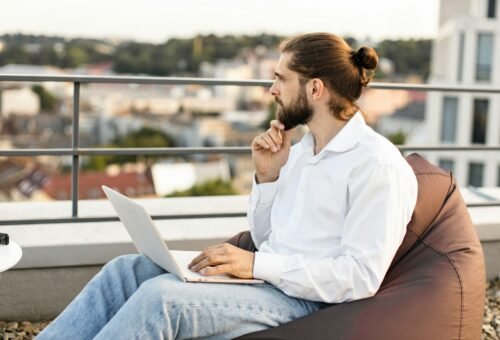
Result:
{"points": [[66, 242]]}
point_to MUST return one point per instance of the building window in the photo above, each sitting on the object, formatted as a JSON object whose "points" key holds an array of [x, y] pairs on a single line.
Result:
{"points": [[479, 121], [476, 174], [484, 56], [447, 164], [492, 9], [449, 120]]}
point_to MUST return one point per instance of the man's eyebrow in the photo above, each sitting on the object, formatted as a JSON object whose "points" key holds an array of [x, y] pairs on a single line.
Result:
{"points": [[279, 75]]}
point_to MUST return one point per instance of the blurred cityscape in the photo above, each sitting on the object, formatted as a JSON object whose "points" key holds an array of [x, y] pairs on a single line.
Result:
{"points": [[39, 115]]}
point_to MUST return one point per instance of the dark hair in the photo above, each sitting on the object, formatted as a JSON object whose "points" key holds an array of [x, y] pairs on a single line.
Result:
{"points": [[329, 58]]}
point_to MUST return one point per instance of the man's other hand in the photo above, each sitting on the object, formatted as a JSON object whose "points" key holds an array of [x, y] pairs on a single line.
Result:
{"points": [[224, 259], [270, 151]]}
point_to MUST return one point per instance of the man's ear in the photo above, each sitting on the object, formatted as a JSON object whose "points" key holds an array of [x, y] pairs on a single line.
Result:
{"points": [[317, 88]]}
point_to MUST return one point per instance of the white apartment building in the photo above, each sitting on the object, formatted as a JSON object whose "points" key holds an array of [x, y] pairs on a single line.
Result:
{"points": [[466, 52]]}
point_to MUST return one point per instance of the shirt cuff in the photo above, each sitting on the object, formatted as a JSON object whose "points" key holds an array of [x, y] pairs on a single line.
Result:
{"points": [[268, 267], [264, 193]]}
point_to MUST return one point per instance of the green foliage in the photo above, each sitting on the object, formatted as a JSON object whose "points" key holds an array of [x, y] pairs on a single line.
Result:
{"points": [[398, 138], [175, 56], [143, 138], [409, 56], [48, 101], [215, 187], [56, 51], [181, 56]]}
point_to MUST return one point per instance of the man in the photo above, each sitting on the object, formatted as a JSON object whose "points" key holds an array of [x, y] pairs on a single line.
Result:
{"points": [[327, 216]]}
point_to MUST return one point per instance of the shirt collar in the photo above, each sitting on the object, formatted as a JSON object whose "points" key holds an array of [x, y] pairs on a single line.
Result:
{"points": [[345, 139]]}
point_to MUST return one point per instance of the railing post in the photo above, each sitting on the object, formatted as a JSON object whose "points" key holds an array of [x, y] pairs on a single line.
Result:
{"points": [[75, 167]]}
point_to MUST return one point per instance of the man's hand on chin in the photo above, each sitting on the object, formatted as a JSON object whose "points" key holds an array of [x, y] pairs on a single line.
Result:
{"points": [[224, 259]]}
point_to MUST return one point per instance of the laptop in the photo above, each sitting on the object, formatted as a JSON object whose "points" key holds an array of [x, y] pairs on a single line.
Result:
{"points": [[149, 242]]}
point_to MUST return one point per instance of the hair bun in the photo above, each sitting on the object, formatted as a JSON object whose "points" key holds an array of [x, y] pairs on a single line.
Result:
{"points": [[366, 57]]}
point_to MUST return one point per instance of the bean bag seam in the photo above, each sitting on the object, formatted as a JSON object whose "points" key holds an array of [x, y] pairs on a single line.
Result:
{"points": [[439, 251], [461, 296], [459, 281]]}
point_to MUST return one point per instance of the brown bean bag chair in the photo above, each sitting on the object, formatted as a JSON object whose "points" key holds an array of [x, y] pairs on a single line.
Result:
{"points": [[434, 288]]}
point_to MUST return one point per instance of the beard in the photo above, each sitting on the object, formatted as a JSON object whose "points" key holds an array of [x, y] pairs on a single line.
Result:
{"points": [[299, 112]]}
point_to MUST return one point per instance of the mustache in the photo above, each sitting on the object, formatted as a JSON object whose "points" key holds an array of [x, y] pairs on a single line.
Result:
{"points": [[278, 101]]}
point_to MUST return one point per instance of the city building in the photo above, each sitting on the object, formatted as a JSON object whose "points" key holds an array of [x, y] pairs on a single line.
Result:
{"points": [[170, 177], [466, 52], [22, 101]]}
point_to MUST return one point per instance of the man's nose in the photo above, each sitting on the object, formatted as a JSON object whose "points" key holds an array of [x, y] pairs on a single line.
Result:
{"points": [[273, 90]]}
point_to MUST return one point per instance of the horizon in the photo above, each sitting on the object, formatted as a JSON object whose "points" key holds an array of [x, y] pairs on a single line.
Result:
{"points": [[122, 40]]}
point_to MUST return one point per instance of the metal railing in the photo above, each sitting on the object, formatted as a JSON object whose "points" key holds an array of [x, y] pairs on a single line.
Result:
{"points": [[76, 152]]}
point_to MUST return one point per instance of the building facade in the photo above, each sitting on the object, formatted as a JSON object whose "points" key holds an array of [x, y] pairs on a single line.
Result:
{"points": [[466, 52]]}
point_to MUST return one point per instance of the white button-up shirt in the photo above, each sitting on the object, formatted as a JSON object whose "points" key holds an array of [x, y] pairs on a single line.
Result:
{"points": [[329, 227]]}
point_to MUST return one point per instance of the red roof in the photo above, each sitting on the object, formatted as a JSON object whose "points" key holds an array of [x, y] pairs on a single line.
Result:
{"points": [[132, 184]]}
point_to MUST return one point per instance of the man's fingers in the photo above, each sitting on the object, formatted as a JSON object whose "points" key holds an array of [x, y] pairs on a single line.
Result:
{"points": [[259, 143], [210, 261], [276, 130], [267, 138], [203, 255], [208, 252], [277, 124], [275, 136], [217, 270]]}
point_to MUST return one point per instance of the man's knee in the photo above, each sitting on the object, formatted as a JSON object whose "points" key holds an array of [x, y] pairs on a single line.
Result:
{"points": [[166, 290], [124, 262]]}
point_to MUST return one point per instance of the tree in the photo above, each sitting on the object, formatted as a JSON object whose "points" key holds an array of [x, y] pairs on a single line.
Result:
{"points": [[409, 56], [146, 137], [183, 56], [398, 138], [215, 187], [48, 102]]}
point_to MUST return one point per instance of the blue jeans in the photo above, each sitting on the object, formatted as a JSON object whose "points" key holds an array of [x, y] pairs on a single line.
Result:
{"points": [[133, 298]]}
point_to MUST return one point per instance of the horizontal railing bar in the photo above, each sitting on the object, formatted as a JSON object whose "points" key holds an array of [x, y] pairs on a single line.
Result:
{"points": [[114, 218], [36, 152], [201, 150], [164, 151], [447, 148], [136, 80], [226, 82], [483, 205], [124, 151], [433, 88]]}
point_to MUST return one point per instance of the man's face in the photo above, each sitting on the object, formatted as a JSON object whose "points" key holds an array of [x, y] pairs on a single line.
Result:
{"points": [[290, 95]]}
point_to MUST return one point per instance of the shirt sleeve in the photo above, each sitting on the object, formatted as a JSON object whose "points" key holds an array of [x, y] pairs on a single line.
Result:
{"points": [[381, 203], [259, 210]]}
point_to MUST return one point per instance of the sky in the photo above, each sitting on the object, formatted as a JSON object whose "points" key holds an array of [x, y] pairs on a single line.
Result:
{"points": [[158, 20]]}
